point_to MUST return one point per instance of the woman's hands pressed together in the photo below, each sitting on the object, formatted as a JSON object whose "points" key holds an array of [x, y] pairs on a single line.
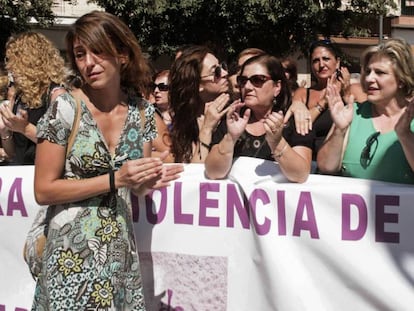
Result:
{"points": [[144, 174]]}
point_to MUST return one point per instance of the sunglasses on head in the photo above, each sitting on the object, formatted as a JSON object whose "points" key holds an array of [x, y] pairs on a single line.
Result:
{"points": [[161, 86], [256, 80], [366, 156], [217, 72], [323, 43]]}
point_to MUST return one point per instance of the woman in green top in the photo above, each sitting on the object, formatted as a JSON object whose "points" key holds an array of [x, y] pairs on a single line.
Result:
{"points": [[375, 139]]}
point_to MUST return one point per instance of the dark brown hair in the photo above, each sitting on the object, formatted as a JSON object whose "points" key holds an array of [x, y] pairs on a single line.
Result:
{"points": [[185, 102], [106, 33]]}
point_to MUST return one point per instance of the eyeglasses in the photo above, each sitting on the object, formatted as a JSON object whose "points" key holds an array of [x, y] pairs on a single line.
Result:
{"points": [[161, 86], [217, 72], [256, 80], [366, 156]]}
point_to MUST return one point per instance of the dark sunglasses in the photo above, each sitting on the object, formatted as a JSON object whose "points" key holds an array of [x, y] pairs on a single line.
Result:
{"points": [[366, 156], [217, 72], [161, 86], [323, 43], [256, 80]]}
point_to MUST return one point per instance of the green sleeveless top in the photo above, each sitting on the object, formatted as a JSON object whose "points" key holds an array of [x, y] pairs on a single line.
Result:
{"points": [[372, 155]]}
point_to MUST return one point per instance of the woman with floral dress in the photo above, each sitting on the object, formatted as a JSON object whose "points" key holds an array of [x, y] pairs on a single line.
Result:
{"points": [[90, 261]]}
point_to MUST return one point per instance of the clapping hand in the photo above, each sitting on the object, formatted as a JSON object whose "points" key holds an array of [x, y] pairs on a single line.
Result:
{"points": [[403, 126], [274, 125], [303, 122], [215, 110], [341, 114], [14, 122], [236, 124]]}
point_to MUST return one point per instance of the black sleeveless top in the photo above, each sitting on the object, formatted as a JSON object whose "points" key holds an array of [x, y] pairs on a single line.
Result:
{"points": [[321, 127], [25, 149]]}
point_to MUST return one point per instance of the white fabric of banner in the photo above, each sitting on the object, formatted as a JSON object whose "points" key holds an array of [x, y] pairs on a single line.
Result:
{"points": [[251, 242]]}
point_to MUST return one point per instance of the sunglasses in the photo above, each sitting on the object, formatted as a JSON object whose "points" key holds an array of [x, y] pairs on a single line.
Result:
{"points": [[366, 156], [217, 72], [256, 80], [161, 86], [323, 43]]}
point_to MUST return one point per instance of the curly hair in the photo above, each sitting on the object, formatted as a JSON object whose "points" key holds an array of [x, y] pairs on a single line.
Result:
{"points": [[185, 102], [105, 33], [4, 82], [35, 64]]}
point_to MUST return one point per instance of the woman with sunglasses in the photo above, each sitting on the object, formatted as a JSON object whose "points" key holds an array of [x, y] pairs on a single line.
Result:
{"points": [[309, 105], [254, 126], [160, 89], [234, 69], [198, 99], [159, 92], [375, 139]]}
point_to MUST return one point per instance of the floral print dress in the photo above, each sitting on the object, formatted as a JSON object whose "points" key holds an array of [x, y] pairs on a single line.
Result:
{"points": [[90, 261]]}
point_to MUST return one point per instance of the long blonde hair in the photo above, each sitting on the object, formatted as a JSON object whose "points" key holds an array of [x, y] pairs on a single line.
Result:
{"points": [[35, 64]]}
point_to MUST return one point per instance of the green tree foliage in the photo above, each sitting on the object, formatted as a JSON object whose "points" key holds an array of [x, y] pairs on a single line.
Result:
{"points": [[228, 26], [18, 15]]}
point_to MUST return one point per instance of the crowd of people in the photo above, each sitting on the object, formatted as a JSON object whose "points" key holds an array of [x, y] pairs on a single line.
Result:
{"points": [[137, 128]]}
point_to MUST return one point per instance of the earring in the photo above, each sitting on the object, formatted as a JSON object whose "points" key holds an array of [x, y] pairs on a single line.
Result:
{"points": [[274, 102], [76, 80]]}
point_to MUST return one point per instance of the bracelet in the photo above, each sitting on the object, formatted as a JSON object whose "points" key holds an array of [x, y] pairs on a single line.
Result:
{"points": [[279, 155], [320, 108], [112, 181], [7, 137], [208, 146]]}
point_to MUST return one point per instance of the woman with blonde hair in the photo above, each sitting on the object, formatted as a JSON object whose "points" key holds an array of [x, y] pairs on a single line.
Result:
{"points": [[37, 72]]}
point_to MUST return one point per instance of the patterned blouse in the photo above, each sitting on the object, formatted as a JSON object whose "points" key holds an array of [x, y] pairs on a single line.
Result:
{"points": [[90, 261]]}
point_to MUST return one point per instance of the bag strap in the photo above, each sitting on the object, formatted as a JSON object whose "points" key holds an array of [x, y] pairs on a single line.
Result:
{"points": [[141, 109], [75, 125]]}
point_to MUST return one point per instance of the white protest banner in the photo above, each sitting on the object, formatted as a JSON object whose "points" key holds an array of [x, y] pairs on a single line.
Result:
{"points": [[251, 242]]}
